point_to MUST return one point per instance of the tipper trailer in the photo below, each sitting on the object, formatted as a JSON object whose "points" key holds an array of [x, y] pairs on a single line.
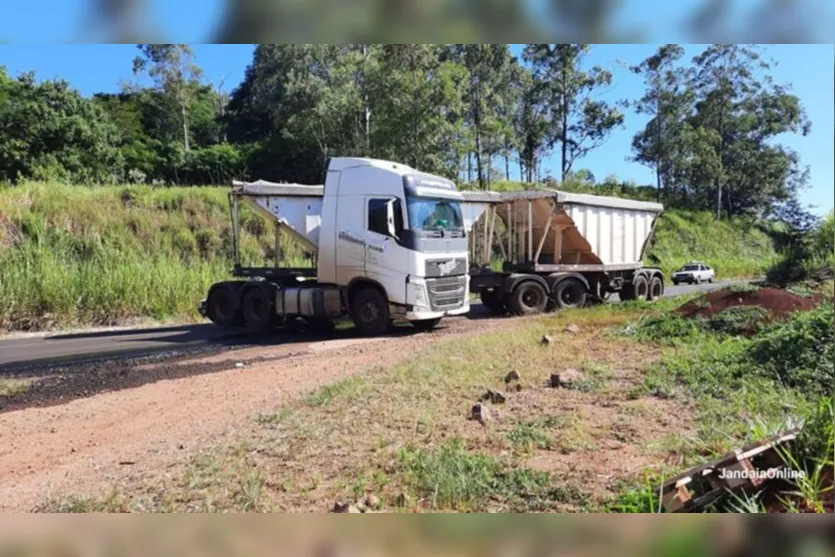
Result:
{"points": [[388, 241], [560, 249]]}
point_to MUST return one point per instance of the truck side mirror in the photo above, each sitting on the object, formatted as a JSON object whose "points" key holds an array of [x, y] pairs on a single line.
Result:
{"points": [[390, 227]]}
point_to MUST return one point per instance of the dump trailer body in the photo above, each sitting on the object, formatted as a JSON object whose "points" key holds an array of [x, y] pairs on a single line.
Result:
{"points": [[549, 236]]}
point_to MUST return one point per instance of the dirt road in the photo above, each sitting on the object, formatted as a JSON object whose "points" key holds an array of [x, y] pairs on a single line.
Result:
{"points": [[89, 444]]}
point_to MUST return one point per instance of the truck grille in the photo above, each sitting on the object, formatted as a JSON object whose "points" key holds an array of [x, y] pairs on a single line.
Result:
{"points": [[447, 293]]}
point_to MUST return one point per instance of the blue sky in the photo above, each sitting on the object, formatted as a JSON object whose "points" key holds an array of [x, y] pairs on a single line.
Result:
{"points": [[807, 68]]}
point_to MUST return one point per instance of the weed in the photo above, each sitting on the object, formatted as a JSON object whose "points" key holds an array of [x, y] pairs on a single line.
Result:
{"points": [[528, 436], [11, 387], [452, 477], [743, 288]]}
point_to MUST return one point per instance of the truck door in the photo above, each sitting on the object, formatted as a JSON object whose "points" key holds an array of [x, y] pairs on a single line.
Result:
{"points": [[386, 261], [350, 239]]}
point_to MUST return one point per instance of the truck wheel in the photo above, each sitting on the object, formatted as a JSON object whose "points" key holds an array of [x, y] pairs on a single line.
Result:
{"points": [[426, 325], [656, 288], [220, 307], [641, 286], [493, 302], [257, 307], [570, 293], [528, 298], [370, 312]]}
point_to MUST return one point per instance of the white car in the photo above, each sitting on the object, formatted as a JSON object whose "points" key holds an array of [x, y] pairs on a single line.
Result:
{"points": [[694, 273]]}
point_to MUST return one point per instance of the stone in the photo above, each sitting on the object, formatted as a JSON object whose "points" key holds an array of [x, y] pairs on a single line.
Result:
{"points": [[372, 501], [565, 378], [513, 375], [546, 339], [572, 328], [480, 412], [239, 365], [494, 396]]}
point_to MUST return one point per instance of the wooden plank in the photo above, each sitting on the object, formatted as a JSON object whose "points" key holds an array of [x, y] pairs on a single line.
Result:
{"points": [[544, 234]]}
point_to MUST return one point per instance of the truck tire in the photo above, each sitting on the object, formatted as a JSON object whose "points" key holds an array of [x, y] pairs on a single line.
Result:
{"points": [[426, 325], [220, 307], [569, 293], [493, 302], [641, 286], [370, 312], [656, 288], [258, 307], [528, 298]]}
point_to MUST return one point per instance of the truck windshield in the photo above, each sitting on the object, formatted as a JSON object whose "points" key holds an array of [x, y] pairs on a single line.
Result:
{"points": [[434, 214]]}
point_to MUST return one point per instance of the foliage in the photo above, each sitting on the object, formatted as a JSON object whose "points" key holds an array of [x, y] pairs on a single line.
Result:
{"points": [[454, 478], [49, 131], [577, 122], [98, 256]]}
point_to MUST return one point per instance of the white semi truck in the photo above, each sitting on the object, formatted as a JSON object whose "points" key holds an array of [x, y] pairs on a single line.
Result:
{"points": [[560, 249], [388, 241]]}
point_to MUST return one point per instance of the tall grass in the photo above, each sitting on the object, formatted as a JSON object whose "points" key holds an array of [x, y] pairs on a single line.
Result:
{"points": [[734, 248], [99, 256]]}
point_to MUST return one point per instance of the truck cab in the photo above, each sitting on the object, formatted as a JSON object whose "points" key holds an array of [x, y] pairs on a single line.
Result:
{"points": [[391, 227], [389, 241]]}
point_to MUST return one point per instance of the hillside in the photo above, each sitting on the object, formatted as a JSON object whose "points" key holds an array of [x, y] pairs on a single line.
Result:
{"points": [[108, 255]]}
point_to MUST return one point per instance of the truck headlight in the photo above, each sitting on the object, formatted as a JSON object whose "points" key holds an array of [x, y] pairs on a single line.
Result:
{"points": [[417, 293]]}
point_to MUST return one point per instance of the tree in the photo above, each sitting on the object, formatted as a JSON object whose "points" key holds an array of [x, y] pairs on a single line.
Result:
{"points": [[49, 131], [418, 107], [666, 105], [488, 96], [174, 73], [578, 122], [737, 102]]}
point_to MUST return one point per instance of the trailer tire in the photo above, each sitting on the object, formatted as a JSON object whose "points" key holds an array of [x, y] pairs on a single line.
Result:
{"points": [[656, 288], [221, 308], [528, 298], [370, 312], [426, 325], [493, 302], [569, 293], [258, 307], [640, 284]]}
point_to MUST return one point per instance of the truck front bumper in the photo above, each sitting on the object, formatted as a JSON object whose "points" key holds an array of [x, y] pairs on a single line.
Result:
{"points": [[421, 314]]}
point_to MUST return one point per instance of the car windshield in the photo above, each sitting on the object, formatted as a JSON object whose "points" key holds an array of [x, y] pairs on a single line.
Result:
{"points": [[690, 268], [434, 214]]}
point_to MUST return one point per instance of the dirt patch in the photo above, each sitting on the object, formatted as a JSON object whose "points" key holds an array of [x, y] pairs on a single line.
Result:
{"points": [[86, 445], [778, 303]]}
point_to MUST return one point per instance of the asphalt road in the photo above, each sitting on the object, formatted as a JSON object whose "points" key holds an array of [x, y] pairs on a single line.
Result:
{"points": [[64, 347]]}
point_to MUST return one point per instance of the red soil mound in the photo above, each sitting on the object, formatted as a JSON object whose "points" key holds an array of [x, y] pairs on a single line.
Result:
{"points": [[778, 303]]}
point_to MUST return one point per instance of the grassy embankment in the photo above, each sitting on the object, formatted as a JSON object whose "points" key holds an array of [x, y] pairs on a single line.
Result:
{"points": [[655, 394], [78, 256], [104, 256]]}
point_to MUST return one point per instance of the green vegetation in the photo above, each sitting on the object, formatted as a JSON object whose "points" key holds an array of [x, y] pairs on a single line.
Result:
{"points": [[746, 389], [100, 256], [734, 248], [453, 478]]}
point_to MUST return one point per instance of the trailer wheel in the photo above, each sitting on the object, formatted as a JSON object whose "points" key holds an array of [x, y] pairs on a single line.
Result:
{"points": [[257, 307], [220, 307], [370, 312], [641, 286], [528, 298], [570, 293], [493, 302], [426, 325], [656, 288]]}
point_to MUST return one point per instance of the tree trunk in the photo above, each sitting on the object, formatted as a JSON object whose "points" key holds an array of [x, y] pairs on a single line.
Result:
{"points": [[185, 126]]}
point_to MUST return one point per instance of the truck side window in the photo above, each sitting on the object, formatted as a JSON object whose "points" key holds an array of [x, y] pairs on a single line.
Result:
{"points": [[377, 216]]}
